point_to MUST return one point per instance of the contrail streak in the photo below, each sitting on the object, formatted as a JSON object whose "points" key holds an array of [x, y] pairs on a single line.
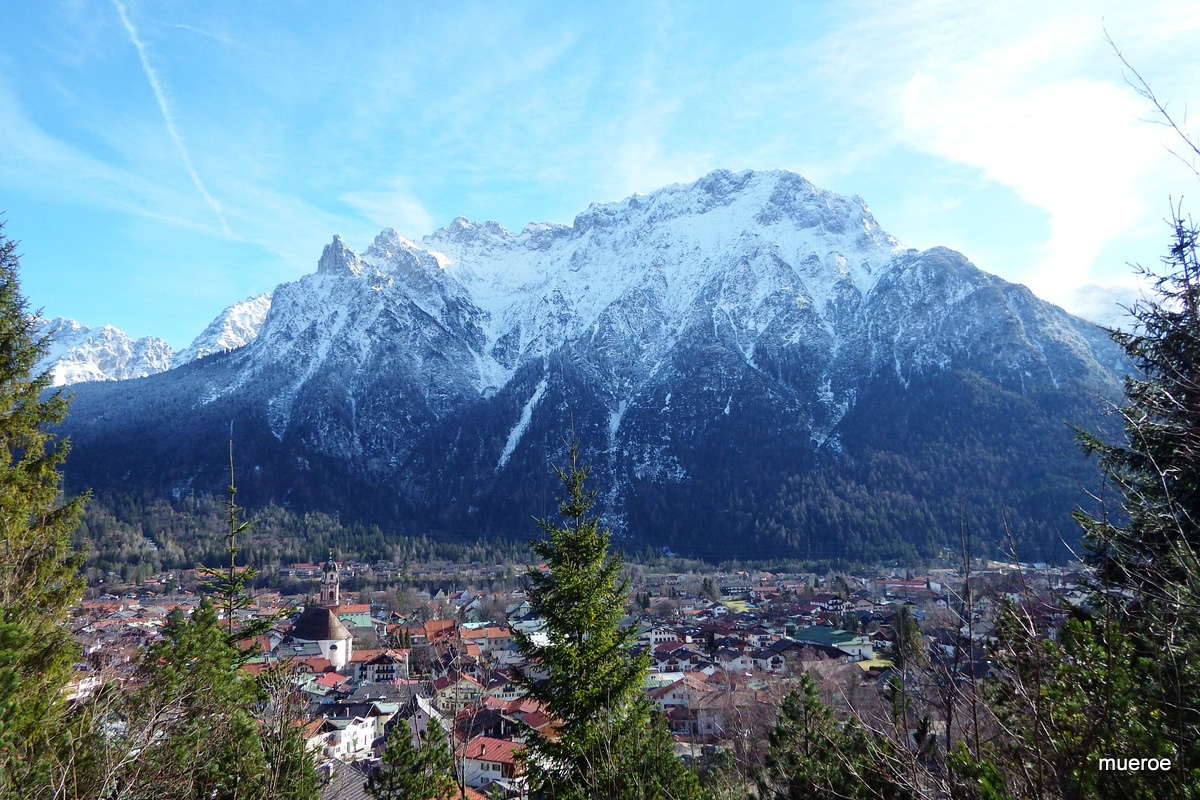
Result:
{"points": [[152, 76]]}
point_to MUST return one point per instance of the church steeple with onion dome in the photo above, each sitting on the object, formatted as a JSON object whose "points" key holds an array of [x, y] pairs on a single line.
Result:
{"points": [[330, 579]]}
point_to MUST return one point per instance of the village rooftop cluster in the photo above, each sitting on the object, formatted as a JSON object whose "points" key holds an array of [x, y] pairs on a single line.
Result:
{"points": [[724, 649]]}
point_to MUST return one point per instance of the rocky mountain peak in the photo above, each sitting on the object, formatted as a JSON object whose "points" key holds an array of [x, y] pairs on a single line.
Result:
{"points": [[338, 259], [80, 353], [237, 325]]}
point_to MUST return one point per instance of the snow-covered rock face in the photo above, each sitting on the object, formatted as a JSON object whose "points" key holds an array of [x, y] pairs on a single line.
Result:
{"points": [[673, 330], [79, 353], [792, 284], [234, 327], [734, 242]]}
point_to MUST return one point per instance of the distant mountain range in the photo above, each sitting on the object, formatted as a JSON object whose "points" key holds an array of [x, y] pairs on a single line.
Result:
{"points": [[754, 367], [80, 353]]}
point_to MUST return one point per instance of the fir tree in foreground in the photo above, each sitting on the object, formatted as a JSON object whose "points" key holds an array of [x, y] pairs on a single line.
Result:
{"points": [[232, 584], [584, 670], [39, 572], [411, 772], [202, 727], [1148, 570], [190, 724], [811, 755], [1122, 677]]}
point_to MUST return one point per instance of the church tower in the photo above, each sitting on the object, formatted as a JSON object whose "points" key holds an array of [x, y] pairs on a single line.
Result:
{"points": [[329, 583]]}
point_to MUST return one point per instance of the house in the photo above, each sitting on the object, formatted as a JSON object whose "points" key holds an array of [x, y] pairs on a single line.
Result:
{"points": [[342, 781], [343, 739], [455, 690], [490, 638], [717, 711], [917, 589], [378, 714], [654, 636], [733, 659], [678, 693], [440, 631], [862, 604], [672, 657], [486, 761], [476, 721], [502, 687], [381, 666], [848, 642], [827, 601], [354, 615]]}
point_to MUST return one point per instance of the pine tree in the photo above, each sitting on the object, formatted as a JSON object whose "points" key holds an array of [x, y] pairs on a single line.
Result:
{"points": [[191, 721], [200, 727], [1158, 468], [39, 570], [1123, 674], [412, 772], [1148, 569], [231, 583], [583, 666], [811, 756]]}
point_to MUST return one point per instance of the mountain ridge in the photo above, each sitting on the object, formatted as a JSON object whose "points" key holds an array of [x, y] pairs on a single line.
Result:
{"points": [[736, 325], [79, 353]]}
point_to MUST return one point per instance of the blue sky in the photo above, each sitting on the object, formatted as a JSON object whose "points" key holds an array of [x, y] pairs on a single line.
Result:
{"points": [[160, 160]]}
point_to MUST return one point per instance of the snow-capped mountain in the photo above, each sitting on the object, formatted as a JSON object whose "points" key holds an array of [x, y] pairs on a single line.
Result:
{"points": [[79, 353], [234, 327], [717, 347]]}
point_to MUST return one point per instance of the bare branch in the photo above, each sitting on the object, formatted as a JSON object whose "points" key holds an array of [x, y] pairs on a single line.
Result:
{"points": [[1143, 88]]}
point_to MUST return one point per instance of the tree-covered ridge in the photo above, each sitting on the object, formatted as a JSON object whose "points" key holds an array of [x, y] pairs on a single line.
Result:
{"points": [[888, 484], [960, 444], [967, 447], [141, 537]]}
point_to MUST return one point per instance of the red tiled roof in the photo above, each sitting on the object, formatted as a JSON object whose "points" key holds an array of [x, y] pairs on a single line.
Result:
{"points": [[256, 667], [331, 679], [485, 748], [436, 629], [317, 664]]}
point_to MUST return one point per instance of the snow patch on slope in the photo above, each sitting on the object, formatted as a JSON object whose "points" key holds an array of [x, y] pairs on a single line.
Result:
{"points": [[514, 436]]}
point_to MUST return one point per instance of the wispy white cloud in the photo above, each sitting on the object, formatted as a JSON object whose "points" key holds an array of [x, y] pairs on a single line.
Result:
{"points": [[1072, 148], [1031, 96], [1106, 305], [199, 32], [168, 119], [393, 207], [34, 161]]}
